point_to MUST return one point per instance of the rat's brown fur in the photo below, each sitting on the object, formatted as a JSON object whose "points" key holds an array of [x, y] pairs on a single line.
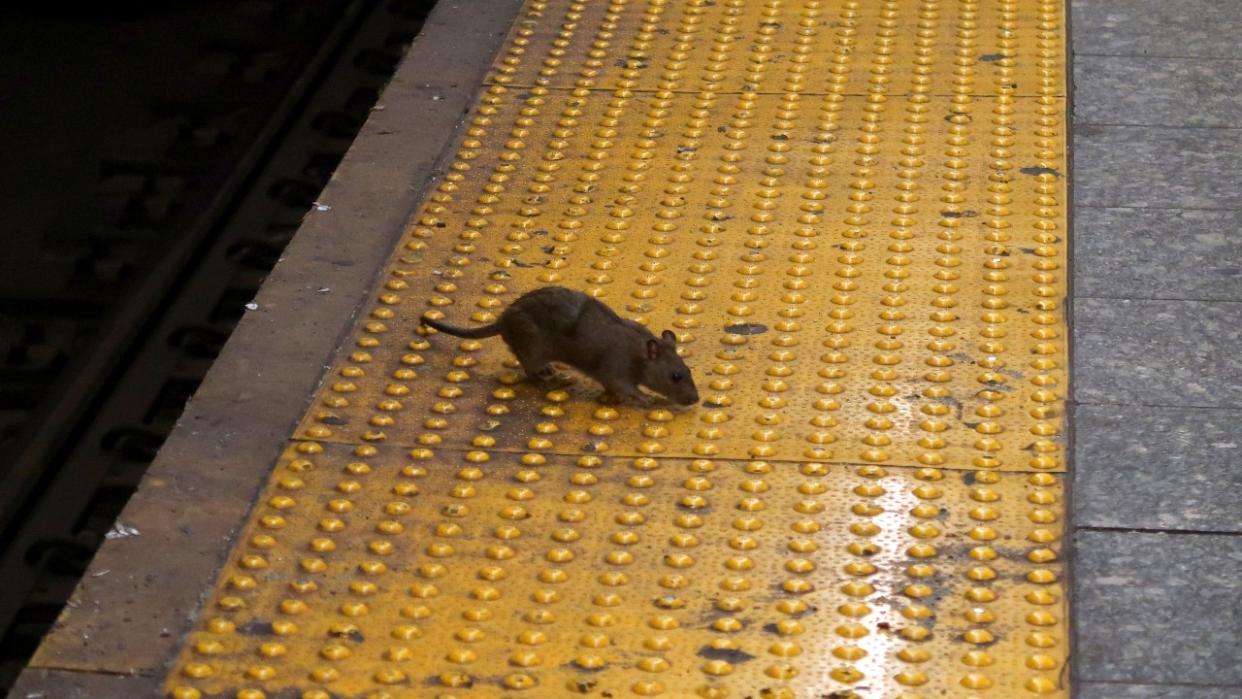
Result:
{"points": [[555, 324]]}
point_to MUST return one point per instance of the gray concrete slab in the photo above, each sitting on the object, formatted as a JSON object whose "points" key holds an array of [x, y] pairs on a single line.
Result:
{"points": [[1156, 212], [1158, 608], [1157, 167], [62, 684], [1158, 253], [1163, 353], [1106, 690], [1191, 28], [1158, 468], [1140, 90]]}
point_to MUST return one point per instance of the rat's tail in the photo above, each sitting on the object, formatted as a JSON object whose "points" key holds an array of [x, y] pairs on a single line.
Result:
{"points": [[469, 333]]}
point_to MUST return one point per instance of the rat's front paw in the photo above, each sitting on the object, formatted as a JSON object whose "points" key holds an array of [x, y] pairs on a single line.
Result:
{"points": [[643, 400]]}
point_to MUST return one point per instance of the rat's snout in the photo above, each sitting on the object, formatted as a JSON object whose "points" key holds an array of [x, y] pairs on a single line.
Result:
{"points": [[690, 396]]}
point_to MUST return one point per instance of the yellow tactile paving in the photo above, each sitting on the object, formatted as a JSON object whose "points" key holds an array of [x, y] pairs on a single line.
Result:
{"points": [[926, 342], [949, 47], [377, 570], [852, 214]]}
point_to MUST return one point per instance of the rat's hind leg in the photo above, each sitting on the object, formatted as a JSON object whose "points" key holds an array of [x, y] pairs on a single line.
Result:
{"points": [[543, 372], [547, 376], [537, 366], [524, 341], [552, 378], [528, 340]]}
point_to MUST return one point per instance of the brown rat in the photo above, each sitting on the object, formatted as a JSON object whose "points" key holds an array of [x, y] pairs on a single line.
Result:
{"points": [[555, 324]]}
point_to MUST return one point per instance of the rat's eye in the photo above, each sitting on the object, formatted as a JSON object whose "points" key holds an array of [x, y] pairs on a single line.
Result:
{"points": [[677, 376]]}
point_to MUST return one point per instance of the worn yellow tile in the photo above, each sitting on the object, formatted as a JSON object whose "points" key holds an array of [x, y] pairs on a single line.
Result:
{"points": [[853, 216]]}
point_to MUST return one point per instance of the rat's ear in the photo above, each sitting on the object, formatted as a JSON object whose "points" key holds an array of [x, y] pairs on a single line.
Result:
{"points": [[653, 348], [669, 337]]}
